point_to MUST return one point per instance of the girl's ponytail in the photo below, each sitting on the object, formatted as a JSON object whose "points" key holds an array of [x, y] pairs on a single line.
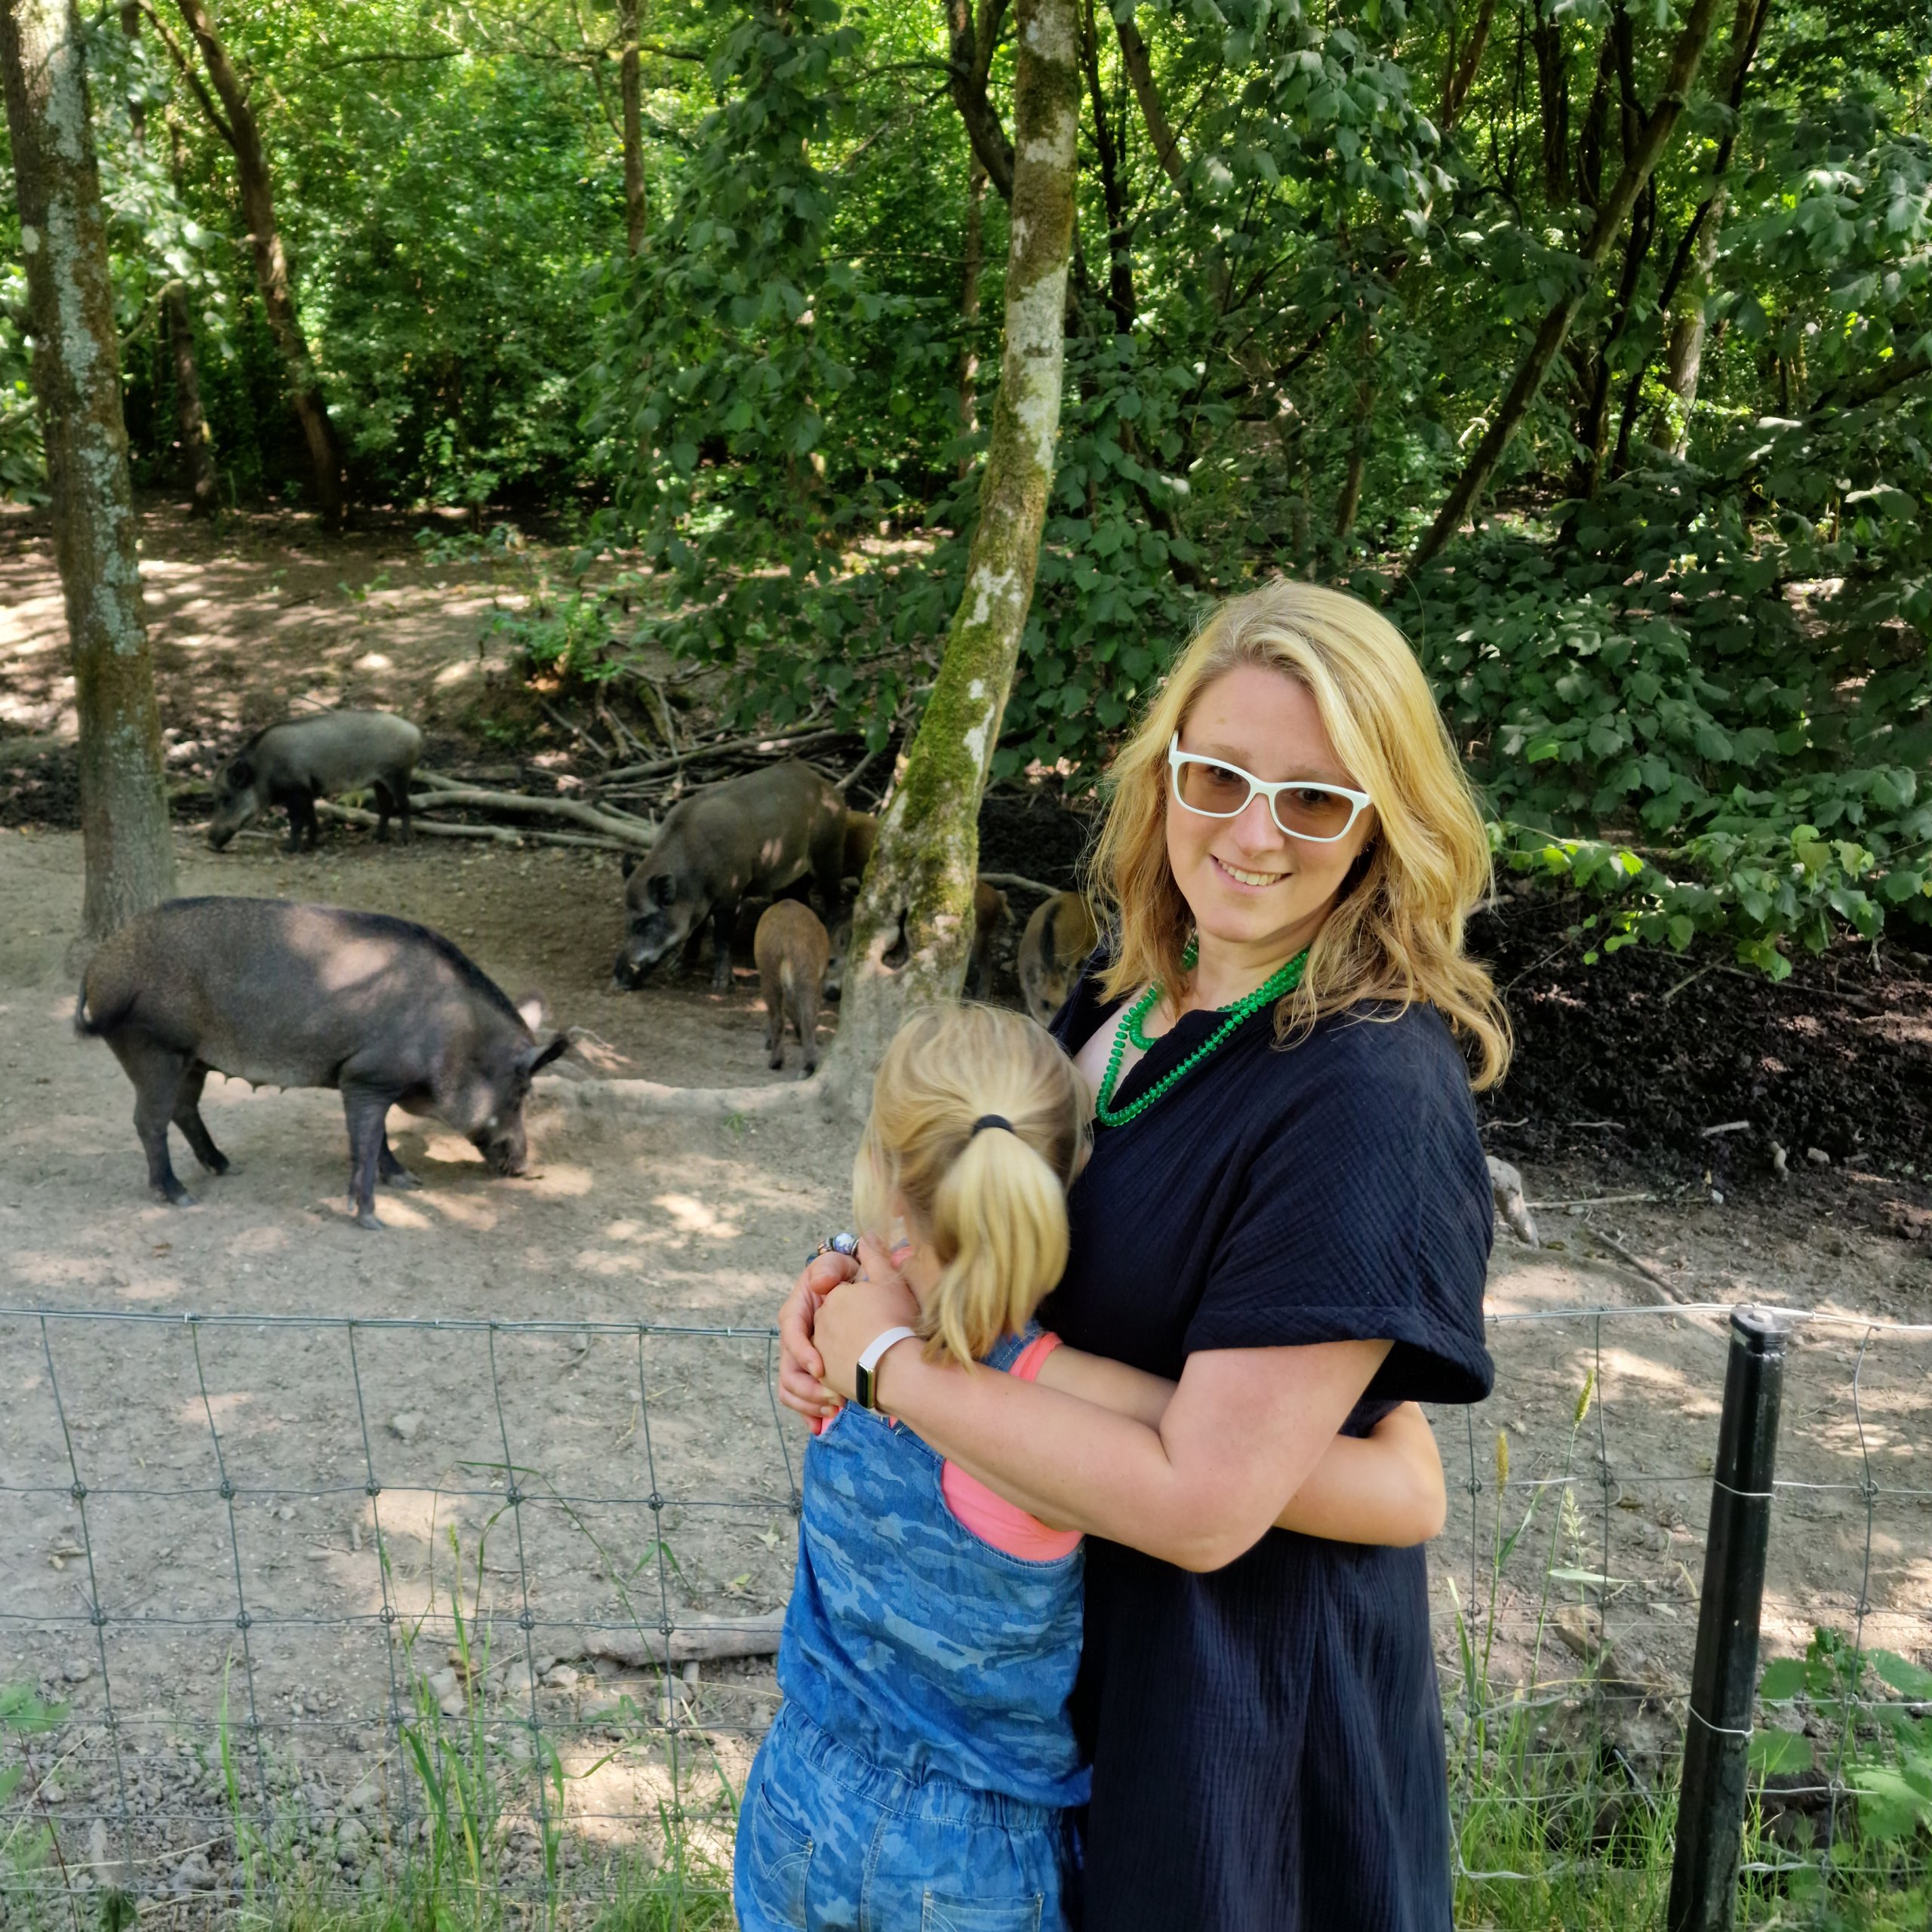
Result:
{"points": [[990, 1197]]}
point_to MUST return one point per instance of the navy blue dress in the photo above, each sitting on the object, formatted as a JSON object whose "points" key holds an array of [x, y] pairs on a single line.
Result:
{"points": [[1267, 1740]]}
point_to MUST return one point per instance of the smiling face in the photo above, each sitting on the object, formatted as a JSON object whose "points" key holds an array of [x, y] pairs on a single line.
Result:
{"points": [[1257, 894]]}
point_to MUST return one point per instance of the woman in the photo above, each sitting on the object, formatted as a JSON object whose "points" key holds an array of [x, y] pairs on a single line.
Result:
{"points": [[1288, 1209]]}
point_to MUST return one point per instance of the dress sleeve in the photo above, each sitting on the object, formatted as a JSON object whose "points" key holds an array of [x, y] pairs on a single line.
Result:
{"points": [[1363, 1214]]}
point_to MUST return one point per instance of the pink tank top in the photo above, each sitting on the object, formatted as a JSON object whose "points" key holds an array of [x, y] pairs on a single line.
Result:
{"points": [[991, 1517]]}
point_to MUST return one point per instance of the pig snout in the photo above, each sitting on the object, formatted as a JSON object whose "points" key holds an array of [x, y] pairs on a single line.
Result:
{"points": [[233, 811], [503, 1144], [646, 942]]}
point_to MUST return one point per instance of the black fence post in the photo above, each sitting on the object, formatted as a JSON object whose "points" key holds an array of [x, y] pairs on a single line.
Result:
{"points": [[1724, 1679]]}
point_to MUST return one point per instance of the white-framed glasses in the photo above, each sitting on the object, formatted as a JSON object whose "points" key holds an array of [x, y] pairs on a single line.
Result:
{"points": [[1302, 807]]}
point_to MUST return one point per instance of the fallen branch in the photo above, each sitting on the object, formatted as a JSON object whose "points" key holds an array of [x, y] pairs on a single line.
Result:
{"points": [[632, 832], [717, 1637], [650, 1097], [1003, 879], [354, 815], [724, 748], [500, 835], [1636, 1261]]}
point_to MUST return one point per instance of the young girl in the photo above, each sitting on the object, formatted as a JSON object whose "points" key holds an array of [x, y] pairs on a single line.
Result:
{"points": [[921, 1770]]}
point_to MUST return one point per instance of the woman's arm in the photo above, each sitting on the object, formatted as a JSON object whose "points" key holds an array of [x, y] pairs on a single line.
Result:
{"points": [[1245, 1429], [1384, 1488]]}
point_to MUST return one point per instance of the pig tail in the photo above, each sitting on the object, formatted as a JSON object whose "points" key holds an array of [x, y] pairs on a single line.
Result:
{"points": [[978, 1125]]}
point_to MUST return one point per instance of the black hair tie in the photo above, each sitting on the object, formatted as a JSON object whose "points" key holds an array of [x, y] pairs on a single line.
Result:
{"points": [[991, 1120]]}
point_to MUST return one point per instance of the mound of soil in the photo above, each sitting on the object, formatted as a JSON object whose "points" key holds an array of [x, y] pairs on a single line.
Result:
{"points": [[1688, 1067]]}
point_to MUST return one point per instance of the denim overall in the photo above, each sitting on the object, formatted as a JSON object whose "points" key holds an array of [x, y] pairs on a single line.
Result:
{"points": [[917, 1777]]}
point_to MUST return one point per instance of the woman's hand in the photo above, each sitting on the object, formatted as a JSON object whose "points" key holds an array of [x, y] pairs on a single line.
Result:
{"points": [[878, 1300], [799, 1364]]}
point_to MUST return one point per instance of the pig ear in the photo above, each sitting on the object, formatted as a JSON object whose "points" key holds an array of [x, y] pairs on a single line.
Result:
{"points": [[629, 863], [548, 1053], [241, 773], [532, 1011], [663, 888]]}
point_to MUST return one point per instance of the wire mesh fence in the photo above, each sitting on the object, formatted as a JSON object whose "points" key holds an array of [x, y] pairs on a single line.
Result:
{"points": [[307, 1605]]}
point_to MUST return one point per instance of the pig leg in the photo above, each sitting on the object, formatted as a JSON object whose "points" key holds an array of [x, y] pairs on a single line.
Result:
{"points": [[724, 923], [194, 1129], [804, 1017], [367, 1111], [157, 1072], [381, 789], [310, 820], [774, 1024], [390, 1171], [294, 823], [399, 791]]}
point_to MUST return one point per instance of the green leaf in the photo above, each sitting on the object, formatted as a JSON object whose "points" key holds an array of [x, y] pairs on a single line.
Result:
{"points": [[1905, 1677], [1773, 1751], [1783, 1680]]}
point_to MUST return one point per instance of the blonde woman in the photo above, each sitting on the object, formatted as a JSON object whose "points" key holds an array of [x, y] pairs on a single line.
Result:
{"points": [[1287, 1211]]}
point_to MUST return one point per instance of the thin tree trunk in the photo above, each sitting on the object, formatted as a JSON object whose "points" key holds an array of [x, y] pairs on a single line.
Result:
{"points": [[237, 126], [969, 305], [130, 858], [1593, 433], [1610, 218], [191, 427], [1684, 356], [1460, 76], [972, 41], [1140, 77], [916, 903], [1349, 507], [1553, 93], [1113, 190], [631, 85]]}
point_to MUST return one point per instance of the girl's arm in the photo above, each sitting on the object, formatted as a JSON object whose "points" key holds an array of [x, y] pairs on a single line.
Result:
{"points": [[1246, 1428], [1386, 1487]]}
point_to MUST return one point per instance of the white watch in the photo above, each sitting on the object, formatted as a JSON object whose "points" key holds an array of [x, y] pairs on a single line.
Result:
{"points": [[865, 1387]]}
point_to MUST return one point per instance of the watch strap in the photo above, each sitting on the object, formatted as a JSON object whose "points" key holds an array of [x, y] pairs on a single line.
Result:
{"points": [[864, 1385]]}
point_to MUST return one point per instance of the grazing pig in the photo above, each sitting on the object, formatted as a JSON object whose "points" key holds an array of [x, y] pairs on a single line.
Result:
{"points": [[747, 838], [989, 917], [301, 759], [390, 1013], [1055, 944], [791, 948]]}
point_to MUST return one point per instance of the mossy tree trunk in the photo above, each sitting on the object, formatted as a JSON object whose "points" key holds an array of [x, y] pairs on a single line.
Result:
{"points": [[130, 859], [630, 89], [914, 909], [235, 121]]}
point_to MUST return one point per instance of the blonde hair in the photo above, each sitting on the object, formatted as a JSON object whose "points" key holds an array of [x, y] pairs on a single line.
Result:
{"points": [[1395, 934], [992, 1204]]}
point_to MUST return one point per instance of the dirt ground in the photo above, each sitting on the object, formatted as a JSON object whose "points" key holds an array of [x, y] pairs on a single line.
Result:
{"points": [[699, 1224]]}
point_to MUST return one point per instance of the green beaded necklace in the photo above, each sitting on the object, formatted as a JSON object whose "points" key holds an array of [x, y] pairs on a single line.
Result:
{"points": [[1274, 987]]}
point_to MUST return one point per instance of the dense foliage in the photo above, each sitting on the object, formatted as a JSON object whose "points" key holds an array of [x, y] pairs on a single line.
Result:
{"points": [[1684, 645]]}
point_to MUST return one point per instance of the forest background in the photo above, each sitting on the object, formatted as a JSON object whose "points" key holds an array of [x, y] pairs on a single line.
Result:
{"points": [[1592, 340]]}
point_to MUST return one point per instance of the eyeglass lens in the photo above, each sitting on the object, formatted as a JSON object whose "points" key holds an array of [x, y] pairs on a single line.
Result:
{"points": [[1309, 811]]}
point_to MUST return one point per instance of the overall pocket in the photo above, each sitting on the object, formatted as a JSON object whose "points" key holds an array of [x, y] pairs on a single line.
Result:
{"points": [[945, 1914], [774, 1858]]}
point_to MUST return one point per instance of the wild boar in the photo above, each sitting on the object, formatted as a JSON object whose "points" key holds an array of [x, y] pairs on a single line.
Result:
{"points": [[791, 948], [279, 995], [990, 914], [861, 835], [1055, 944], [748, 837], [989, 917], [301, 759]]}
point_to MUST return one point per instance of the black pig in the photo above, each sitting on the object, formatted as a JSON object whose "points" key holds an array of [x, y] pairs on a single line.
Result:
{"points": [[747, 838], [390, 1013], [294, 763]]}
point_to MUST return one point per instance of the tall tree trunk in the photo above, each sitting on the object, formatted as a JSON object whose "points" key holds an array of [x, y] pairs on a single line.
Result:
{"points": [[237, 125], [631, 85], [969, 305], [130, 858], [1349, 506], [1593, 432], [1615, 209], [916, 903], [1553, 93], [191, 426]]}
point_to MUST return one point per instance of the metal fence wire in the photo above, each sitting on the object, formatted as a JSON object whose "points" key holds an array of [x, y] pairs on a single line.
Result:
{"points": [[351, 1604]]}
